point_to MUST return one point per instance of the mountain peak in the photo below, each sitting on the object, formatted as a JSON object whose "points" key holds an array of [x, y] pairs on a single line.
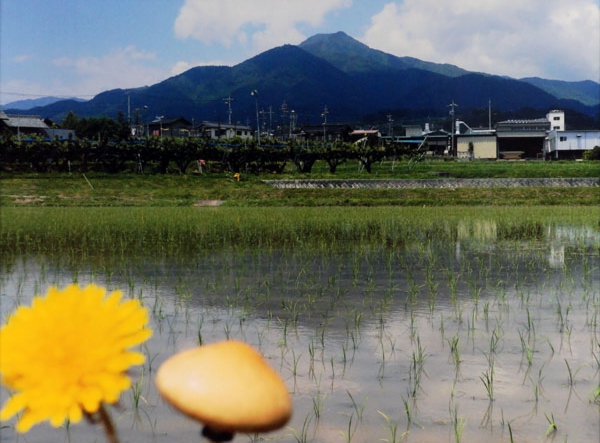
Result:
{"points": [[338, 39], [352, 56], [337, 47]]}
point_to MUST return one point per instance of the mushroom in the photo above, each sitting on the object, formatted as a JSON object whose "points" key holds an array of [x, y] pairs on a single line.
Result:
{"points": [[228, 387]]}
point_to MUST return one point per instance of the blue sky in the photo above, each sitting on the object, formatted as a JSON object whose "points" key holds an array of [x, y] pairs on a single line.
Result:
{"points": [[83, 47]]}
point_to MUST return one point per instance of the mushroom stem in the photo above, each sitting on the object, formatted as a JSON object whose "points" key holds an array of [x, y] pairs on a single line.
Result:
{"points": [[216, 435]]}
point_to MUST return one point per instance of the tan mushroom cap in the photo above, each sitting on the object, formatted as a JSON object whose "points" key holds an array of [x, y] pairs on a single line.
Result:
{"points": [[228, 386]]}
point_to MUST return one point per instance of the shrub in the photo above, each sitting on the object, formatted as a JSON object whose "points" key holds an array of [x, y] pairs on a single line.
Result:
{"points": [[594, 154]]}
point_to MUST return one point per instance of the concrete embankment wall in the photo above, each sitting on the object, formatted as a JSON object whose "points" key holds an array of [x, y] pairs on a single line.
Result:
{"points": [[437, 183]]}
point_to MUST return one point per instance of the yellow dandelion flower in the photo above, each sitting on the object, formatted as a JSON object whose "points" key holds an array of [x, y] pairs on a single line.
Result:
{"points": [[67, 353]]}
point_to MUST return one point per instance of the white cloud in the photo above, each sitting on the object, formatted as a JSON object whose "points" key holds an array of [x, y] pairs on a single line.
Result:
{"points": [[22, 58], [182, 66], [551, 39], [121, 68], [256, 25]]}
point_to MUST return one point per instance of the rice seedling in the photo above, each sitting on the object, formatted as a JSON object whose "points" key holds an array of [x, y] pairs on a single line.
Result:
{"points": [[571, 380], [552, 427], [486, 314], [458, 424], [455, 350], [137, 389], [358, 409], [487, 378], [317, 402], [302, 435], [417, 364], [348, 434], [295, 361], [407, 410], [149, 357], [495, 339], [392, 428]]}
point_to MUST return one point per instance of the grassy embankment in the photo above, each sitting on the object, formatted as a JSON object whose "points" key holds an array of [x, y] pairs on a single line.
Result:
{"points": [[129, 189]]}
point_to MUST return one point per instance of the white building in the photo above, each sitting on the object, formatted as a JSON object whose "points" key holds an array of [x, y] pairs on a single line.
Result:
{"points": [[221, 131], [556, 119], [570, 144]]}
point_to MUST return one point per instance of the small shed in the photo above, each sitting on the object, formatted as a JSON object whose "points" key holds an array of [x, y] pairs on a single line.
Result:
{"points": [[476, 146]]}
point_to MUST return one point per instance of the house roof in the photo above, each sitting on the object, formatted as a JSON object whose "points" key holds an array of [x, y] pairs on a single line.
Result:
{"points": [[170, 120], [207, 125], [520, 122], [25, 121], [328, 127], [365, 132]]}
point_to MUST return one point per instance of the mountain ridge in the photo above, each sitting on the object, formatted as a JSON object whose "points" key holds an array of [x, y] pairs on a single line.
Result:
{"points": [[336, 71], [339, 48]]}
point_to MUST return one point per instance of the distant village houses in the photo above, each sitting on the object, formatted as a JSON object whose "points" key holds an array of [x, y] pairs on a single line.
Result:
{"points": [[27, 126], [517, 139]]}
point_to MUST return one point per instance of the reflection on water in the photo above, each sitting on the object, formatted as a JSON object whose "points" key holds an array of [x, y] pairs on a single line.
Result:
{"points": [[486, 331]]}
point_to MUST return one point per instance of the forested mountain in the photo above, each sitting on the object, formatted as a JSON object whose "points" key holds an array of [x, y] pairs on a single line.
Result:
{"points": [[336, 71], [26, 104]]}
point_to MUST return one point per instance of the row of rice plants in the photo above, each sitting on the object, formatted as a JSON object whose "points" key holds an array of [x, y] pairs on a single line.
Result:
{"points": [[139, 231]]}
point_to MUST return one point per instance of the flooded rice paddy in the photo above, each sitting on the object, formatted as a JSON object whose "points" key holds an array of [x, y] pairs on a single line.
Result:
{"points": [[485, 333]]}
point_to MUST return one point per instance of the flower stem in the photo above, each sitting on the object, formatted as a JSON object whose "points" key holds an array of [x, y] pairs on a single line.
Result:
{"points": [[109, 428]]}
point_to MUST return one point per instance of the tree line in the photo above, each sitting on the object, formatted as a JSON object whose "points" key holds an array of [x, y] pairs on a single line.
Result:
{"points": [[178, 155], [106, 145]]}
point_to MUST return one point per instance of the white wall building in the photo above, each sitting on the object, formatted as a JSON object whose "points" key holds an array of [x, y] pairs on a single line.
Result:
{"points": [[570, 144], [221, 131], [556, 119]]}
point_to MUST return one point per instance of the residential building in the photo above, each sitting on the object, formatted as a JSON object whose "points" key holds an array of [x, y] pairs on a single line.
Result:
{"points": [[325, 132], [220, 131], [169, 127], [22, 125]]}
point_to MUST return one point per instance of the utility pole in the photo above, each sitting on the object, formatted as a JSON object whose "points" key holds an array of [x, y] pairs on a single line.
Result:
{"points": [[228, 100], [254, 93], [390, 127], [160, 119], [452, 113], [129, 110], [284, 112], [292, 122], [263, 119], [324, 115], [270, 120]]}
